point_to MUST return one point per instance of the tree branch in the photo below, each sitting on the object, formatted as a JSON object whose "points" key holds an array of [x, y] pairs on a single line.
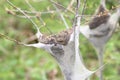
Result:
{"points": [[61, 15], [70, 5], [83, 9], [23, 13], [13, 40], [38, 16]]}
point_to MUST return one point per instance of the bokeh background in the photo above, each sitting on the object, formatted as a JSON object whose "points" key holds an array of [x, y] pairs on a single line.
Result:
{"points": [[18, 62]]}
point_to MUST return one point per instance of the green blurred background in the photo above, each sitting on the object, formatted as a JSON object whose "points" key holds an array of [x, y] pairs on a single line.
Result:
{"points": [[25, 63]]}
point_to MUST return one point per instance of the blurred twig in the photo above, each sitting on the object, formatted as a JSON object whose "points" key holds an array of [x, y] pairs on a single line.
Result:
{"points": [[8, 38], [57, 4], [70, 5], [34, 12], [27, 2], [36, 27], [83, 9], [61, 15], [38, 16]]}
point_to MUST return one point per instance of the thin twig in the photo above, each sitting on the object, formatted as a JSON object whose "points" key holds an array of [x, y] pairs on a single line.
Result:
{"points": [[13, 12], [43, 23], [38, 0], [63, 7], [85, 1], [27, 2], [38, 16], [25, 15], [8, 38], [61, 15], [77, 7], [70, 5], [38, 34], [35, 12]]}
